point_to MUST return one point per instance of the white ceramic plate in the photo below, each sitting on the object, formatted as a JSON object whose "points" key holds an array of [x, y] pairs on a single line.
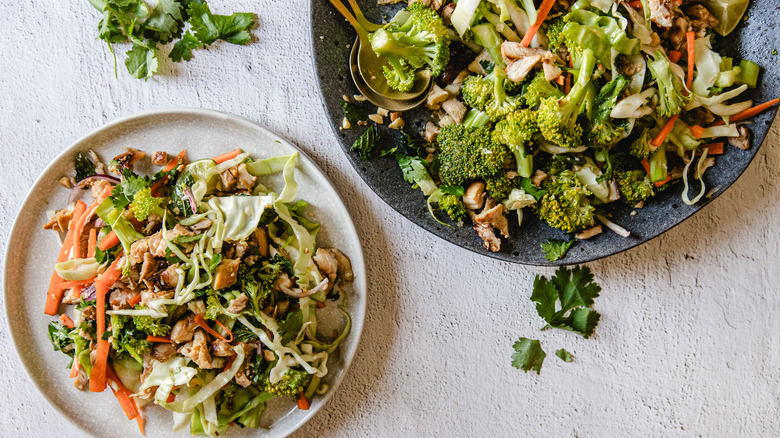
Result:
{"points": [[32, 252]]}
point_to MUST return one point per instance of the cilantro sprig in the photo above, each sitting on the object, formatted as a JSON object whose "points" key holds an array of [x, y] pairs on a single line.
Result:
{"points": [[133, 21], [564, 301]]}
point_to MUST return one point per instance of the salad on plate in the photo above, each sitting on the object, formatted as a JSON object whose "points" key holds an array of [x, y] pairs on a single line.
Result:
{"points": [[196, 288]]}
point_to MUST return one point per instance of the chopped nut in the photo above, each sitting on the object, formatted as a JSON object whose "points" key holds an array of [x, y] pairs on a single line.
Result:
{"points": [[376, 118], [360, 98], [396, 124], [382, 112], [394, 115], [269, 355], [345, 124], [65, 182], [362, 123], [436, 97]]}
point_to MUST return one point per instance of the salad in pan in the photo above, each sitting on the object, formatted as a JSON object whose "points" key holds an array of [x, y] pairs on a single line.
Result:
{"points": [[196, 288], [567, 109]]}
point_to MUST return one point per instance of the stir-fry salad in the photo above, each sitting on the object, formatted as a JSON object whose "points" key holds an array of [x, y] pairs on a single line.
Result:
{"points": [[567, 108], [196, 288]]}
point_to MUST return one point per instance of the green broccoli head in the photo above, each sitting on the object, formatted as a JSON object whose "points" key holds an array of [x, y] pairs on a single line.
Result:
{"points": [[421, 41], [554, 33], [151, 326], [671, 100], [641, 147], [145, 204], [498, 187], [477, 91], [634, 185], [605, 135], [558, 117], [565, 205], [489, 94], [468, 153], [293, 382], [454, 207], [539, 89], [515, 131]]}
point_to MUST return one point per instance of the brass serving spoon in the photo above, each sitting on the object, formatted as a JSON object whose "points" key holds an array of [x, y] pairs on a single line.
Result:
{"points": [[368, 65]]}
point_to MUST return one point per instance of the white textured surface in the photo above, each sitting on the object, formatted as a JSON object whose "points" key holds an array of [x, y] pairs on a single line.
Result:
{"points": [[689, 341]]}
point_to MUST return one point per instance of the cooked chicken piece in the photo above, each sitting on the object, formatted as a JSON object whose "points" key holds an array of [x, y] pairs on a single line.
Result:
{"points": [[244, 179], [431, 132], [709, 162], [160, 158], [701, 19], [61, 219], [345, 265], [676, 34], [178, 230], [327, 263], [397, 124], [436, 97], [163, 351], [169, 276], [551, 70], [221, 348], [66, 182], [262, 241], [446, 13], [241, 378], [72, 296], [493, 215], [241, 248], [198, 350], [201, 225], [120, 295], [149, 266], [538, 177], [511, 51], [238, 304], [184, 329], [152, 244], [227, 181], [454, 108], [88, 312], [661, 12], [474, 196], [96, 187], [476, 64], [519, 69], [126, 160], [82, 380], [743, 141], [590, 232], [489, 239], [225, 274]]}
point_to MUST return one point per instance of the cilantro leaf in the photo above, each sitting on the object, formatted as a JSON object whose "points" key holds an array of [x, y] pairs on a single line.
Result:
{"points": [[289, 328], [583, 321], [165, 21], [367, 142], [528, 355], [576, 287], [413, 169], [183, 48], [210, 27], [141, 61], [544, 295], [453, 190], [531, 189], [215, 261], [555, 249], [353, 112], [563, 354], [123, 193]]}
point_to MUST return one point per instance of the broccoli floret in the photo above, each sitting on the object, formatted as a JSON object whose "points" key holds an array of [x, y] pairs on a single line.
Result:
{"points": [[499, 104], [603, 132], [565, 205], [214, 307], [477, 91], [634, 185], [151, 326], [658, 168], [554, 33], [641, 147], [558, 117], [671, 100], [126, 338], [539, 89], [516, 131], [469, 153], [421, 41], [498, 187], [293, 382], [489, 94], [145, 204], [453, 206]]}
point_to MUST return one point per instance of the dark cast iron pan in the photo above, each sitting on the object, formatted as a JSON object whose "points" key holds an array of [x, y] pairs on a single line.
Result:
{"points": [[332, 36]]}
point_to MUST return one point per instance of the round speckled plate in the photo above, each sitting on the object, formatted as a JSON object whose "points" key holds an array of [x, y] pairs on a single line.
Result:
{"points": [[331, 37], [32, 251]]}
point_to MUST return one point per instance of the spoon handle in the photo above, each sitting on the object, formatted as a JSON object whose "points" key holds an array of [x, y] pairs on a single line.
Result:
{"points": [[351, 18], [367, 25]]}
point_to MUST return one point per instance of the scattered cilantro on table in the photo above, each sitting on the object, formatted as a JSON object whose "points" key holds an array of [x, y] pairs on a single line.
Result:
{"points": [[563, 354], [133, 21], [555, 249], [528, 355]]}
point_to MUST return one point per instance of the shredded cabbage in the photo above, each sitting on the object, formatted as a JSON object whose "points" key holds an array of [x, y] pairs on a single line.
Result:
{"points": [[707, 64], [634, 106], [242, 213], [77, 269], [166, 375], [699, 173]]}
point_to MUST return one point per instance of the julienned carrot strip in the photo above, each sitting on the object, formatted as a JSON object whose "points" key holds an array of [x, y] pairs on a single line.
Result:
{"points": [[83, 220], [714, 148], [77, 283], [74, 369], [667, 128], [636, 4], [674, 56], [750, 112], [697, 131], [690, 36], [54, 294], [66, 321], [227, 156], [109, 241], [140, 420], [171, 164], [544, 9], [158, 339], [303, 402], [91, 242], [205, 326], [122, 394], [320, 304], [646, 165], [134, 300], [97, 380]]}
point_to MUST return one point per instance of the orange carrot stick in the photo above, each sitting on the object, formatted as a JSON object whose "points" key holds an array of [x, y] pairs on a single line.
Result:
{"points": [[750, 112], [122, 394], [667, 128], [158, 339], [91, 242], [303, 402], [134, 300], [74, 369], [636, 4], [697, 131], [109, 241], [66, 321], [204, 325], [54, 295], [97, 380], [544, 9], [674, 56], [714, 148], [691, 39], [228, 156], [171, 164], [83, 220]]}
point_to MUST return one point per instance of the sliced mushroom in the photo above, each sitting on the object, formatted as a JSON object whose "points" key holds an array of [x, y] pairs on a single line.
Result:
{"points": [[590, 232], [743, 141], [474, 196]]}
